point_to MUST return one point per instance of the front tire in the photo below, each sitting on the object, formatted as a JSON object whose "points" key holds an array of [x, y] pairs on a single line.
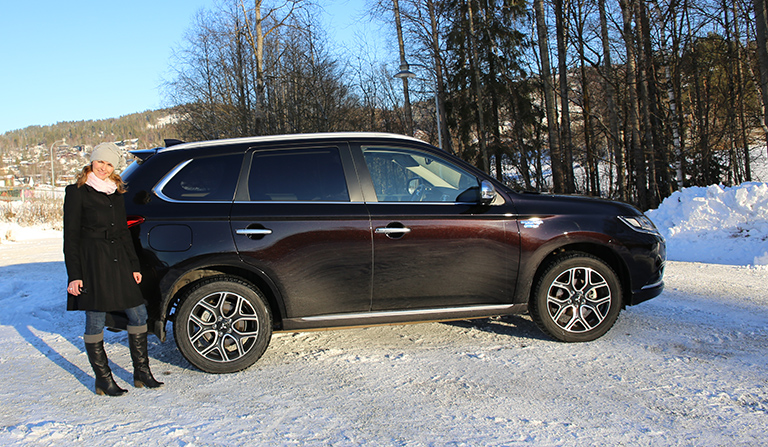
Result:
{"points": [[577, 298], [223, 325]]}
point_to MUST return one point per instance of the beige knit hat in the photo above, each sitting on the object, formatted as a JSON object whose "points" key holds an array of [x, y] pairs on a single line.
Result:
{"points": [[108, 152]]}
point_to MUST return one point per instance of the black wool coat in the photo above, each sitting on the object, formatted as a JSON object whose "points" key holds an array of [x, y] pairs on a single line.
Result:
{"points": [[98, 250]]}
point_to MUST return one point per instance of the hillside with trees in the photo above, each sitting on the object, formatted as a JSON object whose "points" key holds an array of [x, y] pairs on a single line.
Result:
{"points": [[150, 127], [42, 154]]}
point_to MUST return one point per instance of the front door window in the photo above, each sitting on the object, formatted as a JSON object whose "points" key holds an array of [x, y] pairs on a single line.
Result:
{"points": [[403, 175]]}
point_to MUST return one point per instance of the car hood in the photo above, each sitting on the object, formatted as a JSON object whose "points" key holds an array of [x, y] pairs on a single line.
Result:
{"points": [[548, 204]]}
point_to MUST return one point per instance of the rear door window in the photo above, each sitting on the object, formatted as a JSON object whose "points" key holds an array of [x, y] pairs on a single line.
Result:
{"points": [[307, 175]]}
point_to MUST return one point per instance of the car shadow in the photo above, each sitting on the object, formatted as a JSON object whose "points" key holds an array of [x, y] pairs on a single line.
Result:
{"points": [[520, 326]]}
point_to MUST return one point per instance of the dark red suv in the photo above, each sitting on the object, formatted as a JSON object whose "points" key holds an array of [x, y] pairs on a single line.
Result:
{"points": [[239, 238]]}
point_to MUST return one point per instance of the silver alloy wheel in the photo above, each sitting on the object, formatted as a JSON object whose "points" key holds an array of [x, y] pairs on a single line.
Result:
{"points": [[223, 326], [579, 299]]}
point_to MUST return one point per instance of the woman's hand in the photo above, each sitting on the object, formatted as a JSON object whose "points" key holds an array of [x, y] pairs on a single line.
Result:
{"points": [[75, 287], [137, 277]]}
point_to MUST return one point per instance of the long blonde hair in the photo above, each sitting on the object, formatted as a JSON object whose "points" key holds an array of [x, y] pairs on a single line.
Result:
{"points": [[82, 177]]}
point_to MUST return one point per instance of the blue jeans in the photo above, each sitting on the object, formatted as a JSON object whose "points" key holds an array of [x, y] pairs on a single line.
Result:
{"points": [[94, 321]]}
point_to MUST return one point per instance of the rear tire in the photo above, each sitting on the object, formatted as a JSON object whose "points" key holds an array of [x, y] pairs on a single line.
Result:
{"points": [[223, 325], [577, 298]]}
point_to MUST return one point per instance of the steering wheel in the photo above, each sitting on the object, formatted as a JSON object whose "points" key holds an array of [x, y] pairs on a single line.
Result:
{"points": [[419, 193]]}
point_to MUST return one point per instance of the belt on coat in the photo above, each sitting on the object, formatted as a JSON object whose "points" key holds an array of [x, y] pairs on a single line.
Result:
{"points": [[97, 235]]}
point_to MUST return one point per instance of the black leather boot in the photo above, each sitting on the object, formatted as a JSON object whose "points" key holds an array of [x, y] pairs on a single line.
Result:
{"points": [[142, 376], [105, 383]]}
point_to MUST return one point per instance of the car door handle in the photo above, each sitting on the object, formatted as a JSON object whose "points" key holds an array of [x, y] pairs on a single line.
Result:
{"points": [[388, 230], [254, 231]]}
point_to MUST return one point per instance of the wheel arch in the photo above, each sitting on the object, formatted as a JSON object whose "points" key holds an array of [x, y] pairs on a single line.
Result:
{"points": [[602, 252], [190, 277]]}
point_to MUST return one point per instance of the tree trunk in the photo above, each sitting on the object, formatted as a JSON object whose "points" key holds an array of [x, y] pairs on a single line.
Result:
{"points": [[445, 135], [740, 96], [676, 141], [761, 28], [256, 40], [614, 142], [634, 108], [496, 129], [592, 169], [478, 89], [647, 98], [558, 178], [565, 121]]}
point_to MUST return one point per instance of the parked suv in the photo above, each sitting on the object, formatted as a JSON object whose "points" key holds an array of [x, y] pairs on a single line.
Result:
{"points": [[242, 237]]}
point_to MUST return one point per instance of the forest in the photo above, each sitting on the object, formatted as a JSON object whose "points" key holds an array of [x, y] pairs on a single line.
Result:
{"points": [[141, 125], [623, 99]]}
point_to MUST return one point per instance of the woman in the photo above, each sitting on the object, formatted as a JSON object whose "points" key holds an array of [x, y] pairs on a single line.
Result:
{"points": [[102, 266]]}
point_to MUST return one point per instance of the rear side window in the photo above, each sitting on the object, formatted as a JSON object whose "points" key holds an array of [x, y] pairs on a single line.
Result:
{"points": [[310, 175], [209, 179]]}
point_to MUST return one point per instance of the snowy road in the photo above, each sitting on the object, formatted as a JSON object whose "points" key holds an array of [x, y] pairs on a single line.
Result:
{"points": [[687, 368]]}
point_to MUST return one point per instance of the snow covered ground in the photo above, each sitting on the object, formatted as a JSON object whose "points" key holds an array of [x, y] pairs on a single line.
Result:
{"points": [[689, 367]]}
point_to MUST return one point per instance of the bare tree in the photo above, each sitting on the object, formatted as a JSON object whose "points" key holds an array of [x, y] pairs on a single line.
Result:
{"points": [[556, 158], [566, 140], [475, 63], [254, 20], [403, 66], [761, 27], [609, 80], [634, 106], [224, 87]]}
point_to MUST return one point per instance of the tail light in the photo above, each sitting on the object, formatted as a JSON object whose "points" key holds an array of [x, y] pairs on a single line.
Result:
{"points": [[134, 220]]}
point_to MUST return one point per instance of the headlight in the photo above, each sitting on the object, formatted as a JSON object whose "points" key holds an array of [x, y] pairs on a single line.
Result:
{"points": [[641, 224]]}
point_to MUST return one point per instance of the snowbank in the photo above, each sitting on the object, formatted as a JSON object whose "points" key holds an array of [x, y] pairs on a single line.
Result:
{"points": [[716, 224]]}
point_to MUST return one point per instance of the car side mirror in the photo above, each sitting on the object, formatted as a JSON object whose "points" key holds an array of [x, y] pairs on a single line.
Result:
{"points": [[487, 192]]}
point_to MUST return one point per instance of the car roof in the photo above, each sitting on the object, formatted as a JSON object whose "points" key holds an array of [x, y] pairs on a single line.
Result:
{"points": [[292, 138]]}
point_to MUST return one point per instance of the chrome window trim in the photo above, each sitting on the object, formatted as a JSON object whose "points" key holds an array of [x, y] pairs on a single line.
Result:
{"points": [[294, 202], [158, 189], [159, 194], [424, 203]]}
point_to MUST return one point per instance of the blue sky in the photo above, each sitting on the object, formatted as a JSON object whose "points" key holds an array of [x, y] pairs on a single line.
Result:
{"points": [[79, 60]]}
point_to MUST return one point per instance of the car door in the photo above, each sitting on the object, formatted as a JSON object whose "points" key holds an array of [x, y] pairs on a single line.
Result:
{"points": [[300, 219], [434, 244]]}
